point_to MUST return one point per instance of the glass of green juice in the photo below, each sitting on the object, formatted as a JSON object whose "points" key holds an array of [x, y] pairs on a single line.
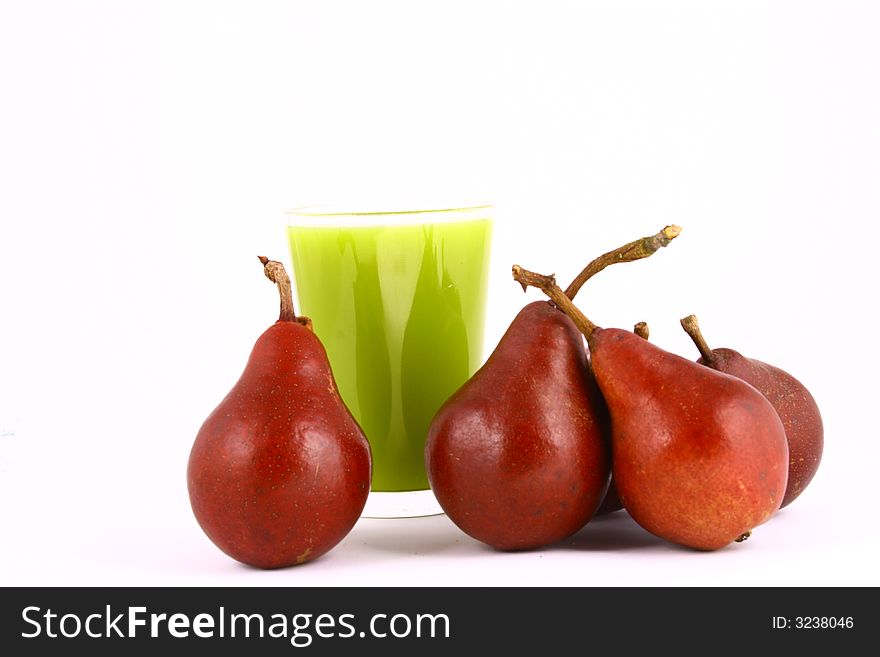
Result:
{"points": [[398, 299]]}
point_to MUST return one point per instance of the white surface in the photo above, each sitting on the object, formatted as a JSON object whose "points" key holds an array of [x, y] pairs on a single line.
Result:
{"points": [[148, 150]]}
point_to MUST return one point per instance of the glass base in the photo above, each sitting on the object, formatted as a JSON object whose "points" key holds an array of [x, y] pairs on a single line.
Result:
{"points": [[404, 504]]}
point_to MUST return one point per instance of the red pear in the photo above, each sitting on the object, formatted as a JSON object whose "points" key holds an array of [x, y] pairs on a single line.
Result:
{"points": [[793, 402], [517, 457], [280, 471]]}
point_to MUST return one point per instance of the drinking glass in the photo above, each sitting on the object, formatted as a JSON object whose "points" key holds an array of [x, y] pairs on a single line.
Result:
{"points": [[398, 299]]}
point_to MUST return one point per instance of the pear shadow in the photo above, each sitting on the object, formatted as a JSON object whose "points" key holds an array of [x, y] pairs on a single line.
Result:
{"points": [[612, 532]]}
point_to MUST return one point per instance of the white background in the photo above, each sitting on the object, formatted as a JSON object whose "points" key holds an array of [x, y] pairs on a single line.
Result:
{"points": [[147, 150]]}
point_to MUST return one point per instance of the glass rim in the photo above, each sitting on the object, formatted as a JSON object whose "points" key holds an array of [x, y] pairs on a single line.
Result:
{"points": [[335, 215]]}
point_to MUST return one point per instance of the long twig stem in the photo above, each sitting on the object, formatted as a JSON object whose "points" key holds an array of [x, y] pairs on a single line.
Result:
{"points": [[641, 248]]}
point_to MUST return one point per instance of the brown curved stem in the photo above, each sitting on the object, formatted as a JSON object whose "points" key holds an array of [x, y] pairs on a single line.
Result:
{"points": [[636, 250], [547, 284], [276, 273], [641, 330], [692, 328]]}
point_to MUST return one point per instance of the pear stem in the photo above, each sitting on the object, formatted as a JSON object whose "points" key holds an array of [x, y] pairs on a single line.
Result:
{"points": [[636, 250], [641, 330], [692, 328], [276, 273], [547, 284]]}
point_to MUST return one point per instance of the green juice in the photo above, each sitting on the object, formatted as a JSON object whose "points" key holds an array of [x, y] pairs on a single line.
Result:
{"points": [[400, 310]]}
